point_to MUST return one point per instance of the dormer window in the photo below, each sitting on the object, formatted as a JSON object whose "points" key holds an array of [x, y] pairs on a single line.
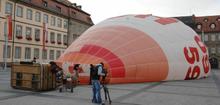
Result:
{"points": [[58, 8], [218, 19], [205, 20], [199, 26], [212, 26], [44, 3], [73, 13]]}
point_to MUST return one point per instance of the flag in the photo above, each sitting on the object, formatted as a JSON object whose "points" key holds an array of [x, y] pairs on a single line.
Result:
{"points": [[44, 35], [9, 27]]}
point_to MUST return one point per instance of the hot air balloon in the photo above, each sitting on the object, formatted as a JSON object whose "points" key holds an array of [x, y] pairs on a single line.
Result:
{"points": [[140, 48]]}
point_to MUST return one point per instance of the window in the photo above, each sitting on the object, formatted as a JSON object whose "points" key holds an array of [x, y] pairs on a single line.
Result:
{"points": [[37, 16], [59, 22], [65, 39], [59, 38], [17, 52], [53, 21], [199, 26], [45, 18], [19, 31], [218, 49], [52, 37], [213, 50], [212, 26], [205, 20], [219, 37], [46, 36], [29, 14], [44, 54], [58, 8], [27, 53], [36, 52], [58, 54], [212, 37], [73, 13], [37, 34], [8, 8], [19, 11], [79, 29], [206, 38], [8, 52], [51, 54], [44, 3], [65, 24], [28, 33], [218, 19]]}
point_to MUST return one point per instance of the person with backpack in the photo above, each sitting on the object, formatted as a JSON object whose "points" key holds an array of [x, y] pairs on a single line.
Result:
{"points": [[96, 72]]}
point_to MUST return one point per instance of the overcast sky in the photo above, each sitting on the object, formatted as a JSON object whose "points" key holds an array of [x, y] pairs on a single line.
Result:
{"points": [[103, 9]]}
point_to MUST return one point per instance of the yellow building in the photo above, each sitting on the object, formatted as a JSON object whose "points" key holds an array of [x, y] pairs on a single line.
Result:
{"points": [[28, 17]]}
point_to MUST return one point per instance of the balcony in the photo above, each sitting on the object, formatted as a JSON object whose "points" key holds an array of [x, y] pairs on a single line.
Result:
{"points": [[28, 38], [19, 36], [52, 42], [59, 42], [37, 39]]}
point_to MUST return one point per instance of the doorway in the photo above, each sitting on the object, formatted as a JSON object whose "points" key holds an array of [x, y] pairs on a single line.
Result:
{"points": [[214, 63]]}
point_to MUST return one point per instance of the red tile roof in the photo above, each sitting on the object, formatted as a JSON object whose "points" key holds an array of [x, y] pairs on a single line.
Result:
{"points": [[207, 23]]}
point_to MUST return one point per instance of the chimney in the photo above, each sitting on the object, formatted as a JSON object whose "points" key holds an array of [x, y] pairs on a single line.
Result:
{"points": [[79, 6], [73, 4]]}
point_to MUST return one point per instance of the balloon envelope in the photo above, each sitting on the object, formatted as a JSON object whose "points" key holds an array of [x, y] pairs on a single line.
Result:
{"points": [[140, 48]]}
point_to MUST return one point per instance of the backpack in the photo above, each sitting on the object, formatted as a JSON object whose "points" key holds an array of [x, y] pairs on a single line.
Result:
{"points": [[94, 73]]}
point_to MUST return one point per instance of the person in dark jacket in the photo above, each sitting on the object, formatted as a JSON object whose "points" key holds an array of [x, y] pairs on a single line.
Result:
{"points": [[96, 72], [93, 73]]}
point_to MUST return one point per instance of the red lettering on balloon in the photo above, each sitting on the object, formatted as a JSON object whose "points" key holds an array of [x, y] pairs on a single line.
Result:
{"points": [[192, 74], [200, 44], [194, 54], [205, 63]]}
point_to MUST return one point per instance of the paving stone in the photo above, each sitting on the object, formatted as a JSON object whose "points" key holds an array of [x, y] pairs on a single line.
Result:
{"points": [[193, 92]]}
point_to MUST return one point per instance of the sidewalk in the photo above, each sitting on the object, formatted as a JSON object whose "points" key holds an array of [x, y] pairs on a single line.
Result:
{"points": [[3, 70], [191, 92]]}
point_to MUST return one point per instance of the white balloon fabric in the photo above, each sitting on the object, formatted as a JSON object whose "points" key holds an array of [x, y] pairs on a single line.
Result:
{"points": [[141, 48]]}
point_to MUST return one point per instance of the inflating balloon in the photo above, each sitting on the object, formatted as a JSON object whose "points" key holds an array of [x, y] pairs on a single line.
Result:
{"points": [[140, 48]]}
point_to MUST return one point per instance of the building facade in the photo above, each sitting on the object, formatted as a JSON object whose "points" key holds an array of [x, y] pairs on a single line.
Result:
{"points": [[208, 27], [79, 21], [29, 19]]}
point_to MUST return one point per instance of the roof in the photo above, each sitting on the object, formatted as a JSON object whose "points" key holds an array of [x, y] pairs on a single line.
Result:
{"points": [[207, 23], [188, 20]]}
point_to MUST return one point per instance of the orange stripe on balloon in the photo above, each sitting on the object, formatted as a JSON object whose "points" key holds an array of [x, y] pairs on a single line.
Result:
{"points": [[101, 52], [165, 21], [142, 16]]}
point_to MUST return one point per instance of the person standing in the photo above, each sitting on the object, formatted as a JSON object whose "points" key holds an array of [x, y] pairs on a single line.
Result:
{"points": [[75, 77], [96, 72], [93, 77], [76, 70]]}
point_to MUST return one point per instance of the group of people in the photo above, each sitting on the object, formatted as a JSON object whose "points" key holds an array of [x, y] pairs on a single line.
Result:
{"points": [[64, 75], [97, 76]]}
